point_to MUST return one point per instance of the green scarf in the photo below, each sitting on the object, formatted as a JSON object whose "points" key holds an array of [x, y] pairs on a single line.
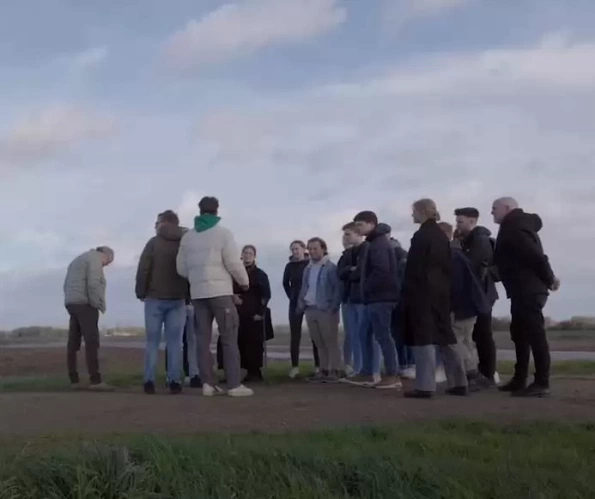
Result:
{"points": [[205, 222]]}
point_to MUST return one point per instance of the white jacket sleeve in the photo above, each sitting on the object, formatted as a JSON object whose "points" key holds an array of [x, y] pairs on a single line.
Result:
{"points": [[181, 264], [233, 262]]}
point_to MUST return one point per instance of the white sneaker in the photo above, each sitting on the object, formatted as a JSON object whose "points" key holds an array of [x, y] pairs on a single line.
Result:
{"points": [[211, 391], [187, 380], [440, 375], [240, 391], [317, 370], [377, 378], [349, 371], [496, 378], [408, 373], [294, 373]]}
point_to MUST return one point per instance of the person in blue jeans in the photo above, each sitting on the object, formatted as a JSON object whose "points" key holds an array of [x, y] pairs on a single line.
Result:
{"points": [[379, 287], [164, 294], [353, 310]]}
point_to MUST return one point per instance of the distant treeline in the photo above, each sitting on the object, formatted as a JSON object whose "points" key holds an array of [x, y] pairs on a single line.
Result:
{"points": [[44, 332]]}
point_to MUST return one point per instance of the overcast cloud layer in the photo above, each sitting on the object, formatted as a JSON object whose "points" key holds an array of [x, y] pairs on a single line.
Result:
{"points": [[296, 114]]}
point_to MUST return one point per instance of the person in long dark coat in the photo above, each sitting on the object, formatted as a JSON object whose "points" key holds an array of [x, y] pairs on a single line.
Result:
{"points": [[426, 305], [253, 312]]}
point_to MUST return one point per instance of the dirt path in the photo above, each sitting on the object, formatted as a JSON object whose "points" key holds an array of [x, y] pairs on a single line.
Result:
{"points": [[291, 407]]}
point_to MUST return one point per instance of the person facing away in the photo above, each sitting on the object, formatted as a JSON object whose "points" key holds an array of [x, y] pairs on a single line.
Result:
{"points": [[209, 259], [252, 309], [292, 284], [379, 285], [467, 302], [164, 293], [528, 278], [426, 305], [352, 308], [84, 298], [478, 246], [320, 299]]}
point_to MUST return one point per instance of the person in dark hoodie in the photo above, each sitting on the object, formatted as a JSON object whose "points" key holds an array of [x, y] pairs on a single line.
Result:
{"points": [[425, 309], [528, 278], [292, 284], [164, 294], [467, 302], [478, 246], [379, 285]]}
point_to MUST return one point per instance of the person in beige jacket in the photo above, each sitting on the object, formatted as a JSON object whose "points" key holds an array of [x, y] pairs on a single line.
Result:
{"points": [[209, 258], [84, 298]]}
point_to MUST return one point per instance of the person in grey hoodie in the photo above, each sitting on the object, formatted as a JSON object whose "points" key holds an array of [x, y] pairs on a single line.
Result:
{"points": [[84, 298]]}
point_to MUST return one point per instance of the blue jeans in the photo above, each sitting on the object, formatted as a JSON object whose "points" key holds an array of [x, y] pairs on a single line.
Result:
{"points": [[379, 317], [169, 315], [353, 315], [369, 346]]}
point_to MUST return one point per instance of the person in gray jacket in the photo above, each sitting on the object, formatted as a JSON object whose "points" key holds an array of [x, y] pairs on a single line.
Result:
{"points": [[320, 299], [84, 298]]}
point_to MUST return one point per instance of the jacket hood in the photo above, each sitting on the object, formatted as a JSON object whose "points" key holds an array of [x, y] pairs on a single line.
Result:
{"points": [[477, 232], [381, 230], [170, 232], [205, 222], [395, 243], [293, 260], [519, 218]]}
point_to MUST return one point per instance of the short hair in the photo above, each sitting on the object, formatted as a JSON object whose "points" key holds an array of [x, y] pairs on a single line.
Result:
{"points": [[320, 241], [468, 212], [249, 246], [428, 207], [298, 242], [446, 228], [170, 217], [352, 226], [368, 217], [106, 250], [208, 205]]}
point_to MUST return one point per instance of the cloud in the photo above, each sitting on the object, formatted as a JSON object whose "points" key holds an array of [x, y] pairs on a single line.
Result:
{"points": [[398, 13], [244, 27], [88, 59], [44, 134]]}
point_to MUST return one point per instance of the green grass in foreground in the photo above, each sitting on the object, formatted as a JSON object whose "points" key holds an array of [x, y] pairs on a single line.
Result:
{"points": [[447, 460], [276, 373]]}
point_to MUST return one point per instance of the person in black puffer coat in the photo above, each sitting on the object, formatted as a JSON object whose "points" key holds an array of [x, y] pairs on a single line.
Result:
{"points": [[292, 284]]}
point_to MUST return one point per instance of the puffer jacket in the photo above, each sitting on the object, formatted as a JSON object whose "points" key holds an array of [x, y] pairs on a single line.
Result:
{"points": [[210, 260], [85, 282]]}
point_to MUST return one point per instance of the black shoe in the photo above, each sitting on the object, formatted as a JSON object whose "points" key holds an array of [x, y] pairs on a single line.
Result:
{"points": [[533, 390], [255, 377], [175, 388], [514, 385], [458, 391], [149, 388], [418, 394], [195, 382]]}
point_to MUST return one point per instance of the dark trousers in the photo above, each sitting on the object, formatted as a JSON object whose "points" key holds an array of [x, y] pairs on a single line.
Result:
{"points": [[251, 337], [527, 331], [486, 347], [83, 326], [296, 320], [184, 355]]}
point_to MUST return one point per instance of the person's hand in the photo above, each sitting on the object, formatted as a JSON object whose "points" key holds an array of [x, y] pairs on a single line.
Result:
{"points": [[555, 285], [245, 287], [258, 317], [237, 300]]}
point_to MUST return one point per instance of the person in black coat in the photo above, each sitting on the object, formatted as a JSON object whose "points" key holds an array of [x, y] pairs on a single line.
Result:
{"points": [[528, 278], [254, 328], [292, 284], [478, 246], [426, 305]]}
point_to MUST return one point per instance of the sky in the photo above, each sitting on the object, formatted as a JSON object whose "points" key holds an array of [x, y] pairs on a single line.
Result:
{"points": [[296, 114]]}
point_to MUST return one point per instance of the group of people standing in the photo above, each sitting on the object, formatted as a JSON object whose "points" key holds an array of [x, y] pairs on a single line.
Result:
{"points": [[405, 314]]}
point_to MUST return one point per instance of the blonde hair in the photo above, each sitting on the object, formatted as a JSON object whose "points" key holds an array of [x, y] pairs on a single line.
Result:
{"points": [[428, 208]]}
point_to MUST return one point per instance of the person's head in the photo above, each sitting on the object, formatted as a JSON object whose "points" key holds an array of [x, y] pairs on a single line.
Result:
{"points": [[208, 206], [317, 249], [107, 255], [466, 219], [249, 254], [298, 249], [351, 235], [424, 210], [502, 207], [447, 229], [366, 222]]}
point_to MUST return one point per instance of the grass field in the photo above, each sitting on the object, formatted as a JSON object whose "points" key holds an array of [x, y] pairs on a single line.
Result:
{"points": [[431, 461]]}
